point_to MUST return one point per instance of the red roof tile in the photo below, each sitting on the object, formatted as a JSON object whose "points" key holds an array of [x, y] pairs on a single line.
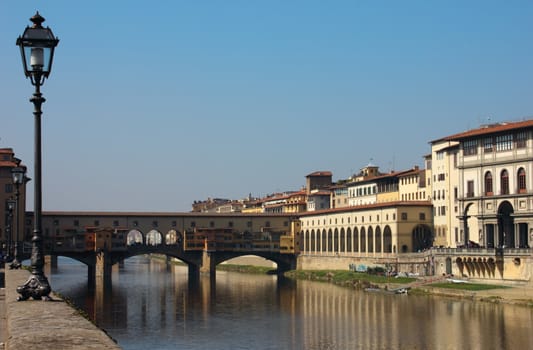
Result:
{"points": [[488, 129], [321, 173]]}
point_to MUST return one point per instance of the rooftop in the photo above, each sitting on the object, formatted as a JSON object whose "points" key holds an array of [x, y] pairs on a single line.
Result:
{"points": [[488, 129]]}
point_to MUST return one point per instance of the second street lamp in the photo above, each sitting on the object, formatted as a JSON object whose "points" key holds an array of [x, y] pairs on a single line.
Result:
{"points": [[9, 229], [37, 46], [18, 179]]}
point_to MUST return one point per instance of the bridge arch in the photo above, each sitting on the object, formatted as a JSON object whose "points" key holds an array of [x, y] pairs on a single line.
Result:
{"points": [[283, 262]]}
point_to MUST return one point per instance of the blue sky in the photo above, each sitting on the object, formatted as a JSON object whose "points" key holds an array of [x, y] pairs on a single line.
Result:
{"points": [[154, 104]]}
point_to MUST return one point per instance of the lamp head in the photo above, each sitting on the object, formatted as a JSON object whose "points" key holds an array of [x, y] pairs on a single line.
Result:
{"points": [[37, 46]]}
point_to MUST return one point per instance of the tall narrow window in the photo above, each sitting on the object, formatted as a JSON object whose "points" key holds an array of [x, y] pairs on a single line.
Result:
{"points": [[470, 188], [504, 142], [470, 147], [521, 180], [487, 145], [521, 139], [488, 184], [504, 178]]}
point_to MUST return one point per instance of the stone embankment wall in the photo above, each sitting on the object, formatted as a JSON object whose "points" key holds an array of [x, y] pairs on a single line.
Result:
{"points": [[477, 264], [409, 263], [37, 324]]}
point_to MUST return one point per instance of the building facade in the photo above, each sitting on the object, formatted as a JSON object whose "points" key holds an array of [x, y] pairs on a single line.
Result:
{"points": [[486, 187], [14, 220], [382, 229]]}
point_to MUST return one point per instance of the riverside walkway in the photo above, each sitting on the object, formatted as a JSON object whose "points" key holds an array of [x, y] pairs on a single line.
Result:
{"points": [[44, 324]]}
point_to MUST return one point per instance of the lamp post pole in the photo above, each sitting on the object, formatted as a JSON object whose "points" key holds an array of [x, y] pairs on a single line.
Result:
{"points": [[18, 178], [37, 46], [9, 228]]}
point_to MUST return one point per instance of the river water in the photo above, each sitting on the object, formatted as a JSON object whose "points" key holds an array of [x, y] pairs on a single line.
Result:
{"points": [[153, 306]]}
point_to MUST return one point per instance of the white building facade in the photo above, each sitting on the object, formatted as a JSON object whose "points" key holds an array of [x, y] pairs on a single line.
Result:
{"points": [[487, 185]]}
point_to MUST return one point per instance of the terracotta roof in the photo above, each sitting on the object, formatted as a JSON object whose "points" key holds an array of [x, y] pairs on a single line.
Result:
{"points": [[488, 129], [411, 172], [321, 173], [7, 163], [319, 193], [6, 150]]}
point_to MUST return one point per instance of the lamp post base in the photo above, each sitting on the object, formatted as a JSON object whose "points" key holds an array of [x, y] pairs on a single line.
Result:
{"points": [[36, 287], [15, 265]]}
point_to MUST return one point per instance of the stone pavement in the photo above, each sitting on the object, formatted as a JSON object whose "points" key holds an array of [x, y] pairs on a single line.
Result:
{"points": [[3, 323], [45, 324]]}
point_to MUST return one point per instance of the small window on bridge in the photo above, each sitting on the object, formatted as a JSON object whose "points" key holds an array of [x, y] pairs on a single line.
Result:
{"points": [[230, 224], [211, 224], [155, 223], [249, 224], [267, 224], [135, 223], [76, 222], [115, 223], [193, 224], [56, 222], [174, 223], [97, 223]]}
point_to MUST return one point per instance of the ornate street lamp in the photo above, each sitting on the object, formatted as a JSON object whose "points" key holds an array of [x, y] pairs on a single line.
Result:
{"points": [[18, 179], [37, 46], [9, 228]]}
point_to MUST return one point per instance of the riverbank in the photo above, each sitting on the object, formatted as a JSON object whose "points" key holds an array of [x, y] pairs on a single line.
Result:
{"points": [[516, 294], [46, 324]]}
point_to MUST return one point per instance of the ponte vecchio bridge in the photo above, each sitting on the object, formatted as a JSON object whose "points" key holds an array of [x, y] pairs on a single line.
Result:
{"points": [[201, 240]]}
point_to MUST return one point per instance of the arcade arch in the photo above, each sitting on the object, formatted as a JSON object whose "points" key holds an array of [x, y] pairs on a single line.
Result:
{"points": [[506, 232], [422, 238], [134, 237], [154, 238]]}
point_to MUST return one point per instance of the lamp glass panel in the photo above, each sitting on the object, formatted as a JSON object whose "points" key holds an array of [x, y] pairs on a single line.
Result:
{"points": [[36, 55]]}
